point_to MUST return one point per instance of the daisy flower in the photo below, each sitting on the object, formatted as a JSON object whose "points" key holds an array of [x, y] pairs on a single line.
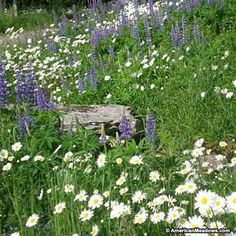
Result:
{"points": [[94, 231], [190, 187], [136, 160], [204, 200], [86, 215], [157, 217], [231, 202], [154, 176], [138, 197], [81, 197], [101, 161], [16, 146], [32, 221], [69, 188], [195, 222], [95, 201], [140, 217], [59, 208]]}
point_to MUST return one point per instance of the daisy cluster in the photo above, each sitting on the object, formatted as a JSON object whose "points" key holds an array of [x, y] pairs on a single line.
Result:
{"points": [[116, 194]]}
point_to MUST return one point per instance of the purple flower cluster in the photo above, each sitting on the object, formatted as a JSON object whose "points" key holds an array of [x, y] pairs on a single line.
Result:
{"points": [[24, 123], [30, 85], [3, 85], [51, 44], [150, 130], [185, 35], [20, 88], [28, 92], [125, 128], [42, 100], [147, 31], [175, 36], [81, 85]]}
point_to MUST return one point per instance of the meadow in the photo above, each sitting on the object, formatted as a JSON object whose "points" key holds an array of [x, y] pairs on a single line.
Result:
{"points": [[173, 63]]}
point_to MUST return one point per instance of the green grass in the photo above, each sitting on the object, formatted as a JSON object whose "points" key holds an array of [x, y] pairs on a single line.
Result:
{"points": [[29, 20]]}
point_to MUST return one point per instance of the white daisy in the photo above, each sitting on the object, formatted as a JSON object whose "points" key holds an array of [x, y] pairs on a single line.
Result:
{"points": [[81, 196], [231, 202], [195, 222], [16, 146], [95, 201], [59, 208], [7, 167], [38, 158], [32, 221], [190, 187], [95, 230], [136, 160], [140, 217], [154, 176], [86, 215], [101, 161], [138, 197], [69, 188], [157, 217]]}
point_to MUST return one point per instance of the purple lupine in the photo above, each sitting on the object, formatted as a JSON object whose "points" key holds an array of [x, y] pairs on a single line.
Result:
{"points": [[135, 32], [31, 86], [80, 84], [150, 130], [151, 10], [103, 137], [185, 35], [63, 26], [147, 31], [93, 55], [3, 85], [20, 88], [51, 44], [95, 38], [103, 65], [175, 36], [136, 9], [188, 6], [196, 31], [24, 123], [42, 99], [125, 128], [93, 77], [168, 15], [160, 22], [55, 19], [111, 52], [196, 3], [210, 2]]}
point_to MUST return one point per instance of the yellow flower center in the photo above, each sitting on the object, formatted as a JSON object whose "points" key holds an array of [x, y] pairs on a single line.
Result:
{"points": [[140, 220], [217, 203], [234, 201], [204, 200], [194, 226], [32, 220], [174, 216], [95, 201]]}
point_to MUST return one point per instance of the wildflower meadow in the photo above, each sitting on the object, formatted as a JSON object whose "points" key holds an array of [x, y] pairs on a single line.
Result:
{"points": [[173, 64]]}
